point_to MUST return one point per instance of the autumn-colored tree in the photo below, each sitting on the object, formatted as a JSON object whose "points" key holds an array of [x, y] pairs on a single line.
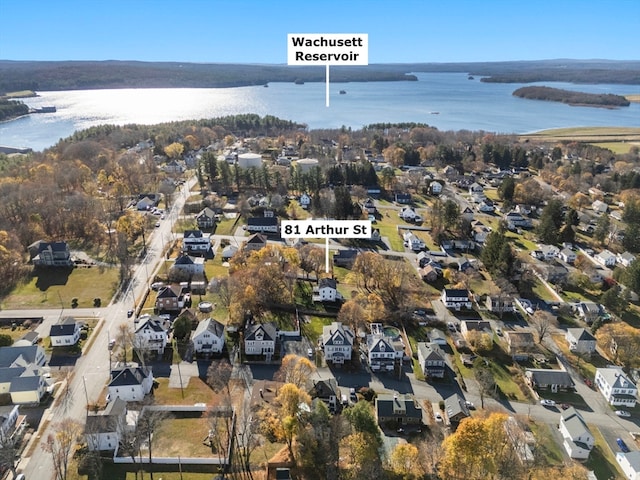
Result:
{"points": [[478, 450], [60, 444], [405, 461], [352, 314], [621, 341], [174, 150], [361, 457], [295, 370]]}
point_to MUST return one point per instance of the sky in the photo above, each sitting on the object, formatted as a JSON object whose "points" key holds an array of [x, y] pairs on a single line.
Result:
{"points": [[255, 31]]}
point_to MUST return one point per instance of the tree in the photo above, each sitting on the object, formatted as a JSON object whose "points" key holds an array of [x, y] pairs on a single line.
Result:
{"points": [[496, 255], [614, 300], [5, 340], [148, 424], [451, 214], [507, 189], [542, 322], [362, 458], [405, 461], [362, 419], [622, 341], [174, 150], [60, 444], [295, 370], [485, 378], [478, 450], [182, 328], [550, 222], [601, 232]]}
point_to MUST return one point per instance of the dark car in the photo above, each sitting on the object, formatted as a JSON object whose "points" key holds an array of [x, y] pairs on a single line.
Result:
{"points": [[622, 445], [129, 313]]}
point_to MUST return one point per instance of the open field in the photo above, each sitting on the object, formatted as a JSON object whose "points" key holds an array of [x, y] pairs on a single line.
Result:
{"points": [[56, 288], [616, 139]]}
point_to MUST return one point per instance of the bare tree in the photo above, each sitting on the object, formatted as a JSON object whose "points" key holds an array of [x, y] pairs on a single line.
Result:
{"points": [[60, 444], [148, 423], [542, 322]]}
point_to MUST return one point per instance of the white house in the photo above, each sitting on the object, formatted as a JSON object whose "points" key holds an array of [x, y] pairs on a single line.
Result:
{"points": [[567, 255], [130, 384], [383, 351], [599, 206], [500, 304], [625, 259], [21, 373], [326, 291], [413, 242], [305, 201], [151, 336], [456, 299], [435, 188], [196, 243], [208, 337], [408, 214], [580, 340], [606, 258], [578, 439], [65, 333], [260, 339], [629, 464], [616, 387], [104, 429], [337, 343], [188, 265]]}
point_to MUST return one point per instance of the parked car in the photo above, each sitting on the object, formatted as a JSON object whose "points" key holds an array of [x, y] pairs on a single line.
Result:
{"points": [[309, 352], [437, 416], [156, 286], [129, 313], [547, 403], [499, 331], [623, 413], [469, 405], [622, 445], [112, 342], [451, 326]]}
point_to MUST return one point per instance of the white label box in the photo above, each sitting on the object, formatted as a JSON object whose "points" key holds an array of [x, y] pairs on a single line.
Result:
{"points": [[328, 49], [326, 229]]}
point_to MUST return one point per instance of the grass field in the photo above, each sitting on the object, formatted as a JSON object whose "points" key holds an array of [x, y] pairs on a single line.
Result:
{"points": [[616, 139], [56, 288]]}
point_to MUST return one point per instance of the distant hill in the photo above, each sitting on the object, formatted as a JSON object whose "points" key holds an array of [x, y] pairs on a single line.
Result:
{"points": [[572, 98], [42, 76]]}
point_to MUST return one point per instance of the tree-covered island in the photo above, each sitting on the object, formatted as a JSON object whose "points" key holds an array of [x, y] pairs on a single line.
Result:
{"points": [[607, 100]]}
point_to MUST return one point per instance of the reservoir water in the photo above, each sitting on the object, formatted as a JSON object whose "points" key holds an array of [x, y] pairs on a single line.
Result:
{"points": [[448, 101]]}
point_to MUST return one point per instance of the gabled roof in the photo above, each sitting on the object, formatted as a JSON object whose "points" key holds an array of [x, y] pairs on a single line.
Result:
{"points": [[615, 377], [263, 221], [542, 376], [193, 234], [325, 388], [453, 292], [152, 324], [18, 356], [206, 212], [25, 383], [574, 423], [268, 330], [65, 327], [209, 325], [397, 405], [430, 351], [456, 408], [128, 376], [107, 420], [257, 238], [169, 291], [337, 334], [327, 283], [581, 334]]}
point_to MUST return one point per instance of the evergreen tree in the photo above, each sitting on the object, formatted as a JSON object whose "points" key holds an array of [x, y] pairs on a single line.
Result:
{"points": [[497, 255], [506, 189], [603, 226], [550, 222]]}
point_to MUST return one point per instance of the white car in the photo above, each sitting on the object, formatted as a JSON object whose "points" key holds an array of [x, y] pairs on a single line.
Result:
{"points": [[438, 416], [547, 403], [623, 413]]}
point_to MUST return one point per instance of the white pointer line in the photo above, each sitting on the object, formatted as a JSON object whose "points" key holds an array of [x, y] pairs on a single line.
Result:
{"points": [[327, 86]]}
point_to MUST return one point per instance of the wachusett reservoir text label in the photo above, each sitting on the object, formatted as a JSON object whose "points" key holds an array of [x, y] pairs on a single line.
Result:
{"points": [[328, 49], [326, 229]]}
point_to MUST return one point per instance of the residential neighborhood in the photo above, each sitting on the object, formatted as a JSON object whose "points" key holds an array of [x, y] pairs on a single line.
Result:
{"points": [[478, 301]]}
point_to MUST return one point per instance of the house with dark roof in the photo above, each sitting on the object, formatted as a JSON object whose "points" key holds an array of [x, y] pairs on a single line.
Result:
{"points": [[455, 410], [327, 391], [337, 343], [29, 387], [466, 326], [397, 409], [65, 333], [616, 387], [580, 340], [208, 337], [257, 241], [266, 225], [22, 356], [151, 336], [130, 384], [402, 198], [577, 438], [520, 343], [197, 244], [103, 430], [206, 218], [432, 360], [383, 352], [260, 339], [52, 254], [456, 299], [345, 258], [21, 374], [326, 291], [186, 266], [546, 379], [171, 298]]}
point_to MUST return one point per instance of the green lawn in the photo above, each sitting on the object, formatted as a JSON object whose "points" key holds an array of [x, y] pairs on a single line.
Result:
{"points": [[546, 445], [195, 392], [601, 460], [56, 288]]}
